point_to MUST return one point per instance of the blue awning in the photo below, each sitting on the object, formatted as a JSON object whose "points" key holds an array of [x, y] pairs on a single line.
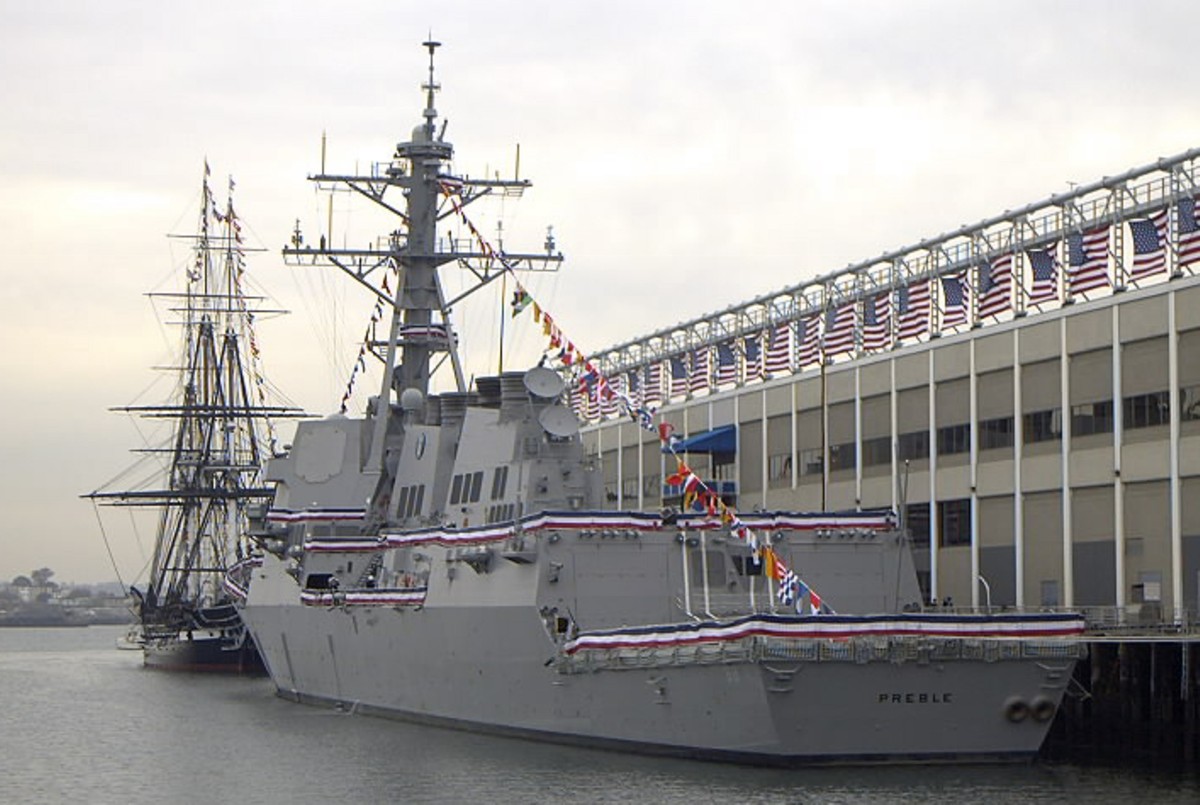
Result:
{"points": [[717, 440]]}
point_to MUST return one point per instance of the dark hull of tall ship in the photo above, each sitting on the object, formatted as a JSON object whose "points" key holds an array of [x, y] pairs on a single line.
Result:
{"points": [[209, 654], [214, 641]]}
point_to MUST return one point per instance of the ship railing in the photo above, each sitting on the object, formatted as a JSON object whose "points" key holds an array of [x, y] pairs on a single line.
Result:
{"points": [[1145, 619]]}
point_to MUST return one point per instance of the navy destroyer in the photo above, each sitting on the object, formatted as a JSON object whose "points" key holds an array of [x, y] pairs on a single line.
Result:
{"points": [[207, 470], [451, 558]]}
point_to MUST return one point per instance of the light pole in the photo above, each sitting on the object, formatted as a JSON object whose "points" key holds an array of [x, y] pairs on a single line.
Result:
{"points": [[987, 589]]}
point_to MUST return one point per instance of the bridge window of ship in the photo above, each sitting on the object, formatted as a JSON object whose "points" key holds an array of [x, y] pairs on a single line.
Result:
{"points": [[476, 486], [456, 486], [410, 501], [499, 482]]}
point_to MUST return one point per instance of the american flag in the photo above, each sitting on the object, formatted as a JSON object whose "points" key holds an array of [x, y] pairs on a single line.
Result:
{"points": [[779, 351], [699, 379], [954, 301], [1045, 275], [579, 401], [839, 328], [754, 363], [810, 339], [727, 368], [1149, 238], [679, 376], [877, 321], [652, 388], [1087, 260], [592, 411], [633, 385], [1189, 231], [608, 397], [912, 310], [995, 286]]}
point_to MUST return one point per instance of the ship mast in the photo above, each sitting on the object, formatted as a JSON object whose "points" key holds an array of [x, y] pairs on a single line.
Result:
{"points": [[420, 329], [220, 424]]}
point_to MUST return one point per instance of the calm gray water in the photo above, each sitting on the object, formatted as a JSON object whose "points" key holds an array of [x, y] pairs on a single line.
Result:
{"points": [[84, 722]]}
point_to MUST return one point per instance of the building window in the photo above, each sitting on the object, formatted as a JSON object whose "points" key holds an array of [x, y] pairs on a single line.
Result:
{"points": [[954, 519], [877, 451], [916, 519], [954, 439], [1050, 593], [1043, 426], [1147, 410], [913, 446], [629, 489], [841, 457], [1189, 403], [811, 462], [650, 485], [779, 467], [1092, 418], [996, 433]]}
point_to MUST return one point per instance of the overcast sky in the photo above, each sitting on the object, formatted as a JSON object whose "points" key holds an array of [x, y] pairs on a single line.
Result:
{"points": [[690, 155]]}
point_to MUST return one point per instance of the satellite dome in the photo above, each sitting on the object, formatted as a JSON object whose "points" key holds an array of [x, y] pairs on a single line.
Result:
{"points": [[412, 400]]}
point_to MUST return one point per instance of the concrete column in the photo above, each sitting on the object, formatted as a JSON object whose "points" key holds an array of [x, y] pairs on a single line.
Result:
{"points": [[1068, 553]]}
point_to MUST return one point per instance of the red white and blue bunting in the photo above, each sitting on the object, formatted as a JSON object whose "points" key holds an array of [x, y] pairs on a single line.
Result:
{"points": [[831, 627]]}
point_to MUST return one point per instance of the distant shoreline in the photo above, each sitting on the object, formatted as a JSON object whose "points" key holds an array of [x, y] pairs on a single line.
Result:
{"points": [[58, 617]]}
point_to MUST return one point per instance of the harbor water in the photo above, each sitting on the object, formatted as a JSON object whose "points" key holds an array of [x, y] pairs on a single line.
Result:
{"points": [[85, 722]]}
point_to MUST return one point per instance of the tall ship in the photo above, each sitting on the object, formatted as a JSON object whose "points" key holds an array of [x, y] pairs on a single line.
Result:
{"points": [[206, 474], [452, 558]]}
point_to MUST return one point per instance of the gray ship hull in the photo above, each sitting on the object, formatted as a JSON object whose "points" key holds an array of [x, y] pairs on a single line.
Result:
{"points": [[492, 668]]}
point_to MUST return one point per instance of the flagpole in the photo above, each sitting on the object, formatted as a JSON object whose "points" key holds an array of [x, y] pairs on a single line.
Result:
{"points": [[824, 438]]}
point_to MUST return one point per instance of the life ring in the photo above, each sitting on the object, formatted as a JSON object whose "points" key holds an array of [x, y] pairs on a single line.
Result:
{"points": [[1042, 708], [1016, 710]]}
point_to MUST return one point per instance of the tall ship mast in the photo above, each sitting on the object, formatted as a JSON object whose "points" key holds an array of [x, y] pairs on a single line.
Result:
{"points": [[221, 432], [452, 558]]}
